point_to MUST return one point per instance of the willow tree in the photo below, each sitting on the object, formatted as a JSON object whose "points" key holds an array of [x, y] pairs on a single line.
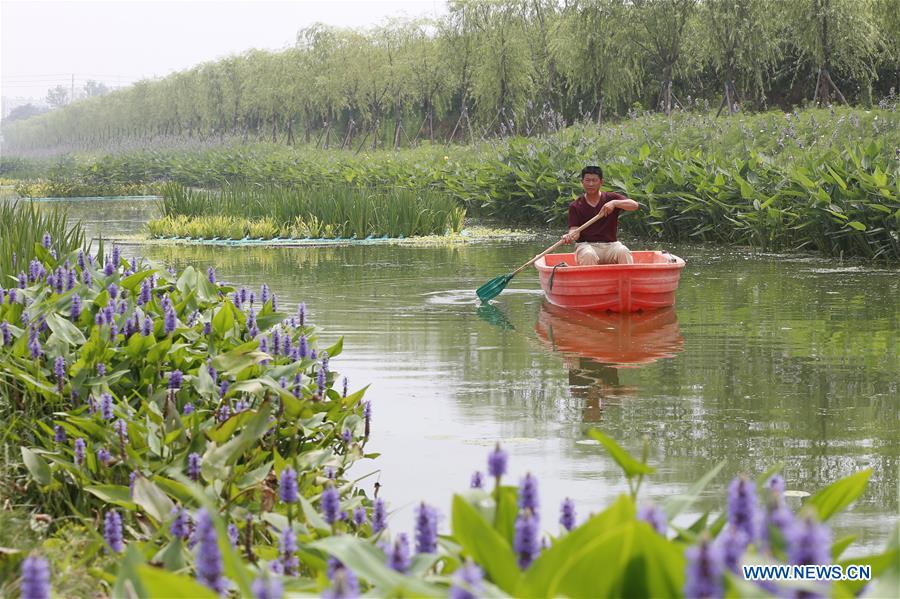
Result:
{"points": [[502, 72], [741, 42], [431, 74], [835, 37], [660, 33], [592, 52], [887, 17]]}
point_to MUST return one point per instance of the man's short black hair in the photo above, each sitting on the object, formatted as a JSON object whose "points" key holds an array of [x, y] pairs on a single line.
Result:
{"points": [[592, 170]]}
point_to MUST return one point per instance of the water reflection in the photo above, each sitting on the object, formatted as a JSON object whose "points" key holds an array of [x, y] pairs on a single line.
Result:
{"points": [[609, 337]]}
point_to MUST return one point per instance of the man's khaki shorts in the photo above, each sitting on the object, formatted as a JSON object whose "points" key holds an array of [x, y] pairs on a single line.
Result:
{"points": [[589, 254]]}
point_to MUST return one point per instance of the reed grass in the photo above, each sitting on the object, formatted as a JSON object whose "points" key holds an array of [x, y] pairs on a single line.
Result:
{"points": [[328, 211], [22, 228]]}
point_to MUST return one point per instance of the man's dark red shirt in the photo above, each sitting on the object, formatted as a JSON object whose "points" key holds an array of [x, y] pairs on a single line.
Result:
{"points": [[604, 230]]}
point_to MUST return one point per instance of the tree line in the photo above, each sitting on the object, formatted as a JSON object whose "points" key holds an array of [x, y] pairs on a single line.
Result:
{"points": [[499, 67]]}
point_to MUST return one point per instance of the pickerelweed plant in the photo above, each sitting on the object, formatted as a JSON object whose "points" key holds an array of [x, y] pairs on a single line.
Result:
{"points": [[133, 389]]}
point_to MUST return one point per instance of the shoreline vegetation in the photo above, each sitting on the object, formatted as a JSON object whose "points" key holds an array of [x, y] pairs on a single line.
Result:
{"points": [[191, 438], [823, 180]]}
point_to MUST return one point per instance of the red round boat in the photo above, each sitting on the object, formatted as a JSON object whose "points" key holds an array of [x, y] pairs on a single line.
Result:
{"points": [[648, 284]]}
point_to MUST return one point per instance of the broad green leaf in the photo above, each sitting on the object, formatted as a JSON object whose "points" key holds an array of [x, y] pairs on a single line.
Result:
{"points": [[838, 546], [880, 563], [337, 348], [256, 427], [486, 546], [114, 494], [629, 465], [152, 499], [837, 496], [676, 504], [367, 561], [160, 583], [37, 466], [856, 225], [128, 583], [64, 329]]}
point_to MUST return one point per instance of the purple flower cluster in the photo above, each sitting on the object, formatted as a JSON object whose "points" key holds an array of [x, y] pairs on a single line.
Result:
{"points": [[525, 542], [35, 578], [426, 528], [399, 558], [655, 516], [703, 579], [331, 504], [567, 514], [106, 406], [59, 434], [267, 587], [287, 487], [194, 466], [743, 510], [379, 516], [80, 448], [497, 461], [176, 378], [181, 525], [287, 548], [112, 531], [467, 582], [528, 494], [208, 564], [477, 480]]}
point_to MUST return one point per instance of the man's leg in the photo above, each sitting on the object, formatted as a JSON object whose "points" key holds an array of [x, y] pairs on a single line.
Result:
{"points": [[623, 254], [586, 255]]}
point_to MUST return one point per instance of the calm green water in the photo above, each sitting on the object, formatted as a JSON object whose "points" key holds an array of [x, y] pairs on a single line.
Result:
{"points": [[765, 359]]}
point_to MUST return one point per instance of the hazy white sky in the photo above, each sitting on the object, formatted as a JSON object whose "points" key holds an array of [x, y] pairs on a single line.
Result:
{"points": [[43, 43]]}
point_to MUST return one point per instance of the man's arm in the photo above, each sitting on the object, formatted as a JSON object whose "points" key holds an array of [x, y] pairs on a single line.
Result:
{"points": [[626, 204]]}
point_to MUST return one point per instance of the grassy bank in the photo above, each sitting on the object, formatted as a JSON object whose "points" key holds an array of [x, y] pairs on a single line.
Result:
{"points": [[822, 180]]}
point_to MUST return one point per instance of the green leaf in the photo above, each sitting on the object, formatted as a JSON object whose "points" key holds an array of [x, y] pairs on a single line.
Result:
{"points": [[856, 225], [368, 562], [160, 583], [838, 547], [37, 466], [64, 329], [128, 583], [152, 499], [114, 494], [223, 320], [678, 503], [337, 348], [256, 427], [629, 465], [880, 563], [486, 546], [838, 495]]}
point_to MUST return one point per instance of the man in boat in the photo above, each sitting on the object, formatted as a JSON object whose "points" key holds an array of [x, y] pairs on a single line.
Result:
{"points": [[598, 243]]}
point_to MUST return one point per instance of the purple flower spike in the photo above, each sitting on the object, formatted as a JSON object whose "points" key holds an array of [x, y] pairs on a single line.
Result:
{"points": [[75, 308], [567, 514], [175, 379], [252, 329], [59, 434], [144, 296], [103, 456], [742, 506], [169, 321], [399, 558], [303, 348], [320, 382], [5, 333], [35, 578], [79, 451], [301, 313], [287, 547], [704, 572], [233, 534], [344, 585], [359, 516], [426, 529], [809, 543], [477, 480], [379, 516], [121, 429], [112, 531], [528, 493], [655, 516], [101, 369], [730, 545], [331, 504], [467, 582], [113, 290], [106, 406], [287, 487], [264, 293], [267, 587], [188, 409], [194, 466], [497, 461], [34, 344], [525, 542], [47, 241], [211, 275], [147, 327], [775, 486], [116, 256], [131, 480], [208, 563], [181, 525]]}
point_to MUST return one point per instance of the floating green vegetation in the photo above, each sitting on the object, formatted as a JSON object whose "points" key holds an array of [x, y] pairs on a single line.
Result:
{"points": [[69, 188], [320, 212]]}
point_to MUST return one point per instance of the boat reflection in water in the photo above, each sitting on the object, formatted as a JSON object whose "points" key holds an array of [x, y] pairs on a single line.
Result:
{"points": [[596, 345]]}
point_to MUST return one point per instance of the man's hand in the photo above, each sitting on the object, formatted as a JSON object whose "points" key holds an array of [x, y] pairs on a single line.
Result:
{"points": [[607, 208], [568, 238]]}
